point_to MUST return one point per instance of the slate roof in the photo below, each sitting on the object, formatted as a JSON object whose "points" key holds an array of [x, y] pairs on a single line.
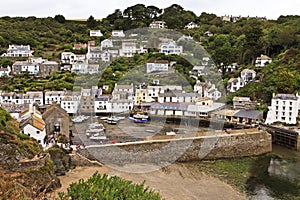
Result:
{"points": [[250, 114], [179, 94], [285, 97], [169, 106]]}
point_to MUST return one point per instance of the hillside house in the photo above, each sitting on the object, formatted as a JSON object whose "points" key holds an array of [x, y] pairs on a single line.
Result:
{"points": [[94, 53], [207, 90], [118, 33], [107, 43], [5, 71], [157, 24], [191, 25], [262, 61], [18, 51], [129, 48], [170, 48], [47, 68], [78, 46], [248, 75], [95, 33], [157, 66], [20, 67], [234, 84], [79, 67]]}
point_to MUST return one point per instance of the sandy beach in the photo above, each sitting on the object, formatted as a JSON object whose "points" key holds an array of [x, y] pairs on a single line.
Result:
{"points": [[175, 182]]}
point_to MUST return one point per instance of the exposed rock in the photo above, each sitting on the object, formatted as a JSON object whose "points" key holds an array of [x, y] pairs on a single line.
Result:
{"points": [[61, 160]]}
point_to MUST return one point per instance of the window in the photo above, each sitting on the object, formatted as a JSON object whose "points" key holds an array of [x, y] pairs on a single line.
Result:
{"points": [[37, 132]]}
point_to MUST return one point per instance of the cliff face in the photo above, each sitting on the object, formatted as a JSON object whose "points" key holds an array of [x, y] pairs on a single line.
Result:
{"points": [[25, 171]]}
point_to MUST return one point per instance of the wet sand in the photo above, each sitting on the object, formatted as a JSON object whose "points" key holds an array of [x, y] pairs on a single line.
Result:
{"points": [[175, 182]]}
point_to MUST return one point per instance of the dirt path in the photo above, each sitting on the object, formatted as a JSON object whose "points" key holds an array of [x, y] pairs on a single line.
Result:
{"points": [[174, 182]]}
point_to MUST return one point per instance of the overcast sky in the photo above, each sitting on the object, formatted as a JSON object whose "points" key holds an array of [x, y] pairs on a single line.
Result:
{"points": [[82, 9]]}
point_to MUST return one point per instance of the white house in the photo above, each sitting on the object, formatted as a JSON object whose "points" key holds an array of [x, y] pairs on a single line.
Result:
{"points": [[262, 61], [284, 108], [122, 98], [171, 48], [208, 33], [11, 97], [4, 71], [177, 97], [103, 104], [122, 105], [105, 56], [18, 51], [70, 102], [154, 91], [157, 24], [234, 84], [248, 75], [79, 67], [32, 97], [191, 25], [54, 96], [207, 90], [94, 53], [230, 68], [107, 43], [71, 58], [95, 33], [199, 71], [33, 125], [118, 33], [129, 48], [157, 66]]}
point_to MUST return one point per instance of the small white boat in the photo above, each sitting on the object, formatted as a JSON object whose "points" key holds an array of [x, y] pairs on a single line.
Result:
{"points": [[99, 137]]}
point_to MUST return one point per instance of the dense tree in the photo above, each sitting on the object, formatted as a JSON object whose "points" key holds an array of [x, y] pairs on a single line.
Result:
{"points": [[91, 22], [253, 33], [60, 18]]}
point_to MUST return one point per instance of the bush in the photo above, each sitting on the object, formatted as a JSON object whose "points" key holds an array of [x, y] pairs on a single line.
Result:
{"points": [[104, 187]]}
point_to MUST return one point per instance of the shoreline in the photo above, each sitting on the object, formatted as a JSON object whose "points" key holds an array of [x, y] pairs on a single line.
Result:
{"points": [[177, 181]]}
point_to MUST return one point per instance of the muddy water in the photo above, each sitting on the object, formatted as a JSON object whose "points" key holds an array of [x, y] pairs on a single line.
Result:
{"points": [[275, 175]]}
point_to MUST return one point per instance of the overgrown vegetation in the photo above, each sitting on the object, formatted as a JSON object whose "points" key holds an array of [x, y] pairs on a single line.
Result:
{"points": [[25, 82], [104, 187]]}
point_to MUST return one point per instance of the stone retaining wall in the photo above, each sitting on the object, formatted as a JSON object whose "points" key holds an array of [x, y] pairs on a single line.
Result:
{"points": [[184, 149]]}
